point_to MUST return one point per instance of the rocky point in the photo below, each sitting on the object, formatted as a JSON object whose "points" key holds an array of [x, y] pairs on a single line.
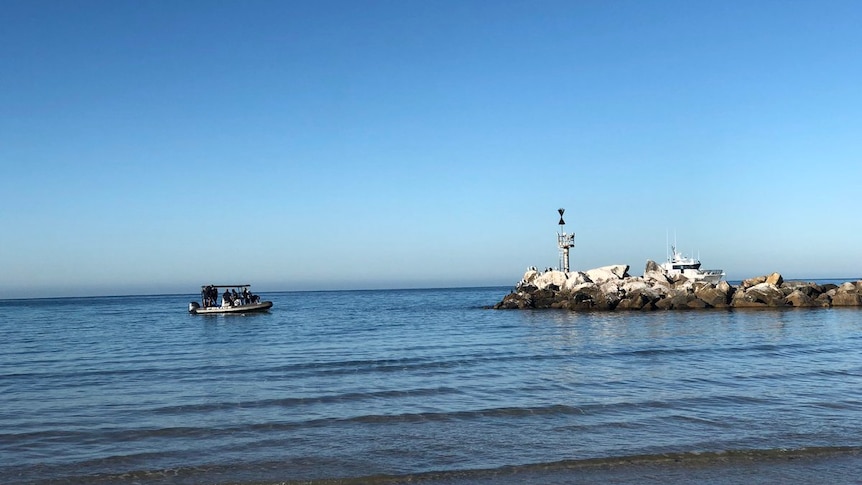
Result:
{"points": [[612, 288]]}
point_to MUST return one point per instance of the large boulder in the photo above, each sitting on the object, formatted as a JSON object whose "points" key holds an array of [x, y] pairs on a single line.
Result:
{"points": [[518, 300], [746, 284], [639, 299], [765, 293], [680, 300], [810, 289], [605, 273], [588, 296], [740, 301], [529, 277], [545, 298], [549, 278], [575, 279], [716, 296], [654, 272], [846, 295], [621, 270], [774, 279], [652, 267], [684, 284], [823, 300], [846, 299], [634, 284], [800, 299]]}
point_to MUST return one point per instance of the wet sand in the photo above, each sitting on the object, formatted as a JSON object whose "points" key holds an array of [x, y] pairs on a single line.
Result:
{"points": [[832, 469], [774, 467]]}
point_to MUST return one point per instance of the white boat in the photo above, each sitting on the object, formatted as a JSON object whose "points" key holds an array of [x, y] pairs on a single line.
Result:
{"points": [[677, 264], [235, 299]]}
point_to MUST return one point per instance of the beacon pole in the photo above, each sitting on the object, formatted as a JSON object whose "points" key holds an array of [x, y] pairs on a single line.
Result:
{"points": [[564, 241]]}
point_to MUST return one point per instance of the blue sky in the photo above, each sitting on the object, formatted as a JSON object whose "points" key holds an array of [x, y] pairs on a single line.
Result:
{"points": [[153, 146]]}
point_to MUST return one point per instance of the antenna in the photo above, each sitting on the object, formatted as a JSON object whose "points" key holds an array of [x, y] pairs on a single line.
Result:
{"points": [[564, 241]]}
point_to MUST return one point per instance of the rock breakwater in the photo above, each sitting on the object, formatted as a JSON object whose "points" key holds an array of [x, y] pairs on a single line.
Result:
{"points": [[612, 288]]}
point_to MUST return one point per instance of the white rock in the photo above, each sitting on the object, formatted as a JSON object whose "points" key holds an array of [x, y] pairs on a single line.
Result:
{"points": [[548, 278], [610, 287], [604, 273], [635, 285], [847, 287], [530, 276], [657, 276], [575, 279]]}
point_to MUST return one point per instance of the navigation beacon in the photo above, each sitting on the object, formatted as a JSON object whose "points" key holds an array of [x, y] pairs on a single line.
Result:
{"points": [[564, 241]]}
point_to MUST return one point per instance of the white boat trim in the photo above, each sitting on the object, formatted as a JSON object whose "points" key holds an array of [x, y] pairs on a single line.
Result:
{"points": [[254, 307]]}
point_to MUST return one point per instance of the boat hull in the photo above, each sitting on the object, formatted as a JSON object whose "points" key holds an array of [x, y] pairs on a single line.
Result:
{"points": [[711, 277], [708, 276], [254, 307]]}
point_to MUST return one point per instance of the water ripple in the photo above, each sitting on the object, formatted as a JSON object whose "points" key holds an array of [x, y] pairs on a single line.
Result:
{"points": [[353, 384]]}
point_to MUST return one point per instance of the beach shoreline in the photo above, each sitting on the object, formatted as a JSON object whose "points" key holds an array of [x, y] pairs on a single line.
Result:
{"points": [[809, 465]]}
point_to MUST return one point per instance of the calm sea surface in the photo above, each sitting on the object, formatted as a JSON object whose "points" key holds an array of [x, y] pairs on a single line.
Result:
{"points": [[386, 386]]}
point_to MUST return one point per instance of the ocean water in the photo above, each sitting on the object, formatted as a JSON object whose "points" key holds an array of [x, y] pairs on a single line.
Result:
{"points": [[426, 386]]}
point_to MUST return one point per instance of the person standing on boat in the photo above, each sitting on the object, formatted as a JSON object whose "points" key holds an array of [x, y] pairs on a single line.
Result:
{"points": [[245, 297], [225, 299]]}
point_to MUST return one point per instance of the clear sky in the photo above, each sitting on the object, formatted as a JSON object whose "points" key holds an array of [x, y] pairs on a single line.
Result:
{"points": [[154, 146]]}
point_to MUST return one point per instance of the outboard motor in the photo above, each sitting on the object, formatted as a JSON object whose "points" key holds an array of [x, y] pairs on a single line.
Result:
{"points": [[193, 305]]}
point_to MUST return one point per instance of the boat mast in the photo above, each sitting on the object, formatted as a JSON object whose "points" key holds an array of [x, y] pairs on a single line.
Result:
{"points": [[667, 245], [564, 241]]}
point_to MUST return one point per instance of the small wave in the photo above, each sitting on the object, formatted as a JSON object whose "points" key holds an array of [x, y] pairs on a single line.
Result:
{"points": [[624, 469], [805, 465], [291, 402]]}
